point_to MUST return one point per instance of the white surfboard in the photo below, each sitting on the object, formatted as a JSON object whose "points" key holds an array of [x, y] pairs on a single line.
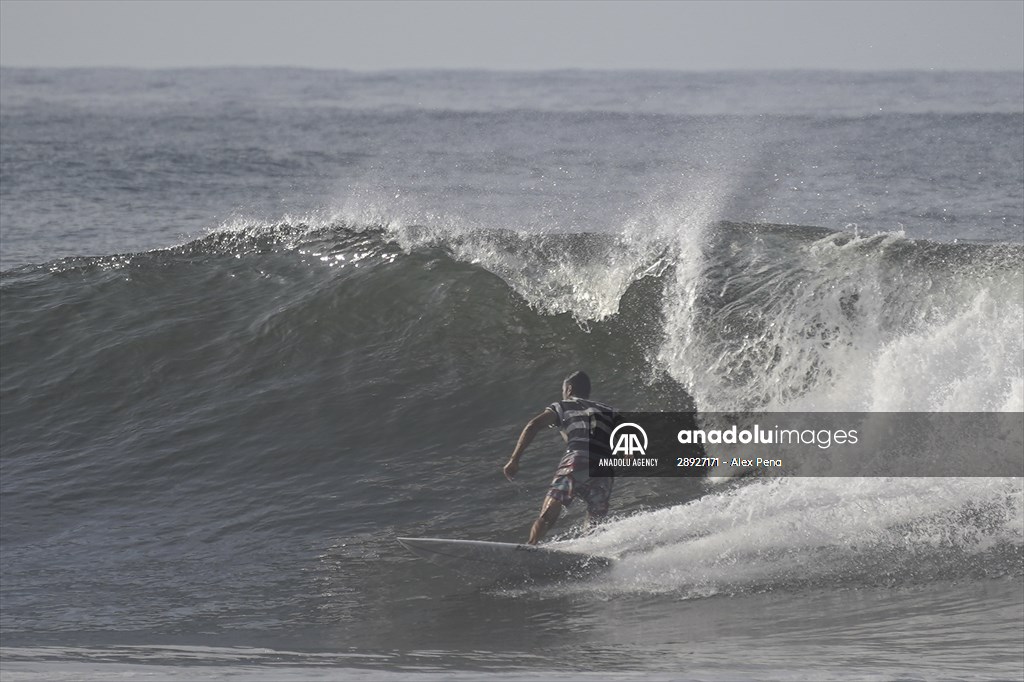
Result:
{"points": [[503, 560]]}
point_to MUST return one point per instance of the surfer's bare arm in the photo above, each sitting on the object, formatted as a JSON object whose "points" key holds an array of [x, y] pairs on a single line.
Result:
{"points": [[542, 420]]}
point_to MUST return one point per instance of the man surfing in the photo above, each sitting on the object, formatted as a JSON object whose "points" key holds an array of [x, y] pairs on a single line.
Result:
{"points": [[586, 426]]}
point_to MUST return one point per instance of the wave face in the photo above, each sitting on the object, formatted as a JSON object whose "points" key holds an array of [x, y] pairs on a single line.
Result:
{"points": [[275, 383]]}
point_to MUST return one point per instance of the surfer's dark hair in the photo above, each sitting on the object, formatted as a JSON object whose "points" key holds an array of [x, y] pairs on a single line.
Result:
{"points": [[580, 383]]}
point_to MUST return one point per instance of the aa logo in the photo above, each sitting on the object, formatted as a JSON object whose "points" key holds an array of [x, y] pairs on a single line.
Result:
{"points": [[628, 439]]}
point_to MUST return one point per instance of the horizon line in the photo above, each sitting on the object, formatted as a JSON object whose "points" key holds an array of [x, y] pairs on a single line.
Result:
{"points": [[511, 70]]}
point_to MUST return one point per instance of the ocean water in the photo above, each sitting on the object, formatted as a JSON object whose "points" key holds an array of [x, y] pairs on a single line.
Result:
{"points": [[255, 324]]}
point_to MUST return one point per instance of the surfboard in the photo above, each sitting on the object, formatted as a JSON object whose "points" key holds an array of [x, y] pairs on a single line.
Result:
{"points": [[504, 560]]}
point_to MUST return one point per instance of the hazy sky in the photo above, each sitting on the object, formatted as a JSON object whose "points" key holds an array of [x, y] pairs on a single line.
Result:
{"points": [[829, 34]]}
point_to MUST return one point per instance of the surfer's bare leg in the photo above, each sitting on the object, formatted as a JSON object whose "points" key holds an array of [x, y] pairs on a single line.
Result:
{"points": [[598, 493], [548, 515]]}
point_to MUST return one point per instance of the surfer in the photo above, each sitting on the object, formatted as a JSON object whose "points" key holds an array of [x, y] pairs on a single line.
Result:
{"points": [[586, 426]]}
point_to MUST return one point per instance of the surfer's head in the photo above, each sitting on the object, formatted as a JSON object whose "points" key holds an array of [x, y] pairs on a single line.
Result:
{"points": [[576, 385]]}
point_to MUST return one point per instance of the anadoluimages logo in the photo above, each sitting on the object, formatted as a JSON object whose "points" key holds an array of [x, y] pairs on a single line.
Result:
{"points": [[628, 442]]}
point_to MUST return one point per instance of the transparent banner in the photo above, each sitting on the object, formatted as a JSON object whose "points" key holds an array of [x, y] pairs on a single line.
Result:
{"points": [[815, 444]]}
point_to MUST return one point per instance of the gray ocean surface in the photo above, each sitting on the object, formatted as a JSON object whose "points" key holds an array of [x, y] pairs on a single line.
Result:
{"points": [[257, 323]]}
